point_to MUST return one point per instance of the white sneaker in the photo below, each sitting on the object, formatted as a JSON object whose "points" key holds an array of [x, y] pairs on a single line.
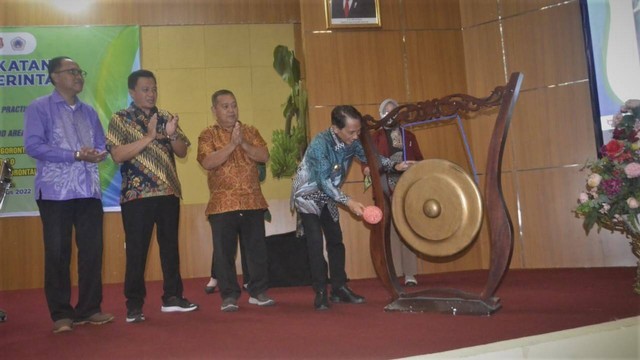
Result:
{"points": [[410, 280]]}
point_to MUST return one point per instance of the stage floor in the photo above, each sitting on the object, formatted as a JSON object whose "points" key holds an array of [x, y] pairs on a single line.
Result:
{"points": [[534, 302]]}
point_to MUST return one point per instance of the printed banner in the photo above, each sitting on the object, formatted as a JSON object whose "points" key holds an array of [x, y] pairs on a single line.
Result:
{"points": [[107, 53]]}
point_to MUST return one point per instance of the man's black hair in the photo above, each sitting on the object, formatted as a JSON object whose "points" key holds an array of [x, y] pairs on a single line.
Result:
{"points": [[55, 64], [218, 93], [134, 76], [340, 113]]}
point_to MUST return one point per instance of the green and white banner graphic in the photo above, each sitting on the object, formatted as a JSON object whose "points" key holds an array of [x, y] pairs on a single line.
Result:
{"points": [[107, 53]]}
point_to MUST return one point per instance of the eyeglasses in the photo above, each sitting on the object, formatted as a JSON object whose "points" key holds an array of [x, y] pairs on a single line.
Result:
{"points": [[74, 72]]}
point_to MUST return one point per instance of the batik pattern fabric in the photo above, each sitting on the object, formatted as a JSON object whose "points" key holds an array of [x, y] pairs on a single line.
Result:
{"points": [[53, 132], [153, 171], [235, 184], [322, 172]]}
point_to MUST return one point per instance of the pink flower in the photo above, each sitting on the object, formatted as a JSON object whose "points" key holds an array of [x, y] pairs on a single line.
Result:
{"points": [[632, 170], [583, 198], [615, 120], [633, 203]]}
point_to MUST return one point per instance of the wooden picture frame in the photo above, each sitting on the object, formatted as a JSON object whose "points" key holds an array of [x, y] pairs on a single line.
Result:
{"points": [[361, 13]]}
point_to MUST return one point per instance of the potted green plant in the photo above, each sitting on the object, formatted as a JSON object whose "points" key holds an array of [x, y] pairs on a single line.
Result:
{"points": [[289, 143]]}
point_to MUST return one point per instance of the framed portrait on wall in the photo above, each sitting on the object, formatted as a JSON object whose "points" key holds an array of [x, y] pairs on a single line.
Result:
{"points": [[352, 13]]}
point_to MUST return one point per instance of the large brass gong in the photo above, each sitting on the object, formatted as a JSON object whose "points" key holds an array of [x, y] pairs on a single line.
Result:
{"points": [[437, 208]]}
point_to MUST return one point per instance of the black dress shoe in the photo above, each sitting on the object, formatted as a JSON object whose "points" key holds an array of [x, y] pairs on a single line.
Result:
{"points": [[321, 302], [345, 295], [209, 289]]}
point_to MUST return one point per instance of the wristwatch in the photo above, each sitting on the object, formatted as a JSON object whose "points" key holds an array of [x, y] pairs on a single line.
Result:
{"points": [[76, 155]]}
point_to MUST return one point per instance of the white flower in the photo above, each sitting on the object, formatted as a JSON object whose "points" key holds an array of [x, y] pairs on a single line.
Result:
{"points": [[594, 180], [605, 208], [633, 203]]}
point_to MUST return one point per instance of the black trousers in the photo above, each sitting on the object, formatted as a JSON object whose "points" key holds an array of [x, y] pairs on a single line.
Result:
{"points": [[58, 220], [248, 225], [314, 227], [139, 217], [246, 278]]}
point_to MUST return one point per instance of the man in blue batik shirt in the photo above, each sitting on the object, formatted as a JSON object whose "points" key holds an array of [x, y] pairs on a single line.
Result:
{"points": [[66, 138], [316, 194]]}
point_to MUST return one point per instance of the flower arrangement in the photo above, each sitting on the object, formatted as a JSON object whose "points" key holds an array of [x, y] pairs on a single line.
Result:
{"points": [[612, 196]]}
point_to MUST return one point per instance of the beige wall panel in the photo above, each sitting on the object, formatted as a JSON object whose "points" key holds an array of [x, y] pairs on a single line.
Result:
{"points": [[553, 127], [431, 14], [150, 47], [182, 90], [181, 47], [474, 12], [283, 219], [442, 142], [114, 258], [354, 67], [513, 7], [553, 53], [319, 119], [616, 249], [552, 235], [483, 59], [355, 234], [269, 93], [264, 39], [373, 109], [436, 65], [251, 11], [162, 12], [479, 130], [391, 15], [22, 251], [299, 51], [192, 176], [218, 53], [195, 244], [312, 16], [25, 267], [509, 191]]}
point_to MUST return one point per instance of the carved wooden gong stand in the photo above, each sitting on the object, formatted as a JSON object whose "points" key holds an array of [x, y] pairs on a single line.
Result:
{"points": [[500, 227]]}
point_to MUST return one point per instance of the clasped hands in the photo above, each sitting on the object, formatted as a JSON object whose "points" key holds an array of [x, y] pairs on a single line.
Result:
{"points": [[92, 155], [236, 134], [170, 127]]}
